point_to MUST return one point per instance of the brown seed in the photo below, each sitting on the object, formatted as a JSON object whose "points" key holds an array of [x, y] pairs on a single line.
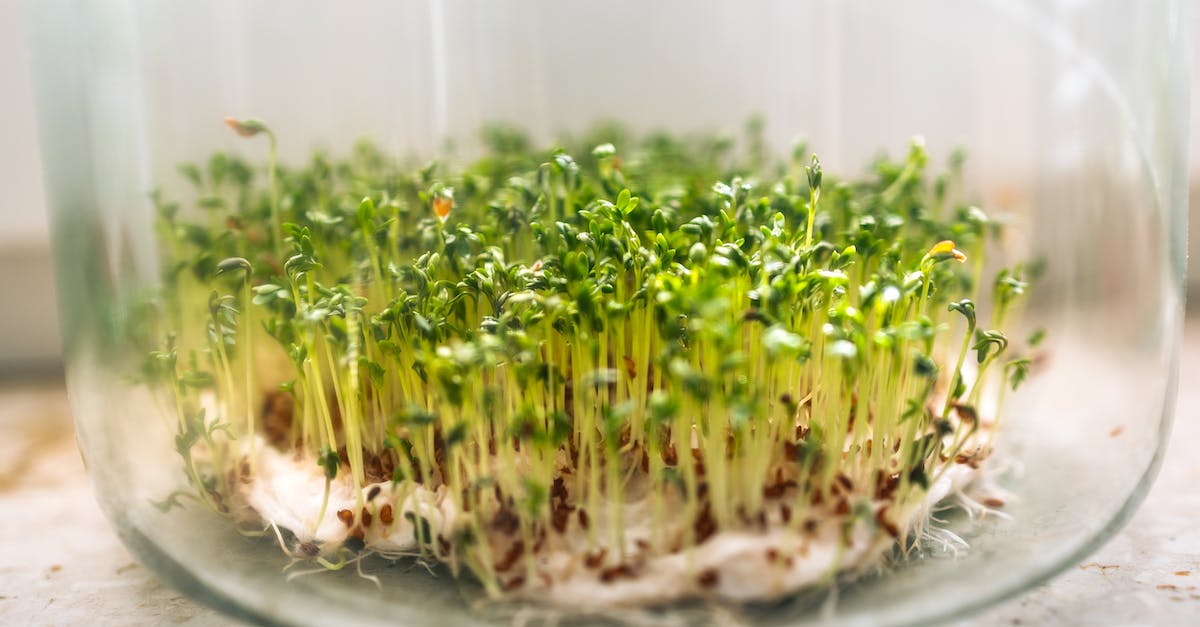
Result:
{"points": [[882, 518], [560, 518], [785, 513], [385, 514], [583, 518], [972, 459], [346, 516], [669, 456], [514, 583], [772, 554], [966, 412], [277, 411], [709, 578], [558, 490], [506, 521], [993, 502], [373, 492], [609, 574], [705, 526], [510, 558], [374, 469], [594, 559], [366, 517], [885, 486], [774, 491]]}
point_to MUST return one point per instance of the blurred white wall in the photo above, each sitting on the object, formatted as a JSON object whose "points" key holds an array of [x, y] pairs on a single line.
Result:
{"points": [[22, 216], [28, 320], [28, 334]]}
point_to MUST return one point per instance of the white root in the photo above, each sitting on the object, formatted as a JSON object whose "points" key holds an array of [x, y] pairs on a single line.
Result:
{"points": [[746, 565]]}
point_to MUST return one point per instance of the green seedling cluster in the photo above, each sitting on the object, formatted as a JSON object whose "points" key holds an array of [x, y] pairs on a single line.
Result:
{"points": [[552, 335]]}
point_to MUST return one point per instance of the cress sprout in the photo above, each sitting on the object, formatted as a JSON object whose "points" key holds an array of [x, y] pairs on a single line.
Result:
{"points": [[657, 331]]}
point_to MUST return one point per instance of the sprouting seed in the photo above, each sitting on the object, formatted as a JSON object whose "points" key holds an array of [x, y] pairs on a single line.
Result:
{"points": [[246, 128], [625, 359]]}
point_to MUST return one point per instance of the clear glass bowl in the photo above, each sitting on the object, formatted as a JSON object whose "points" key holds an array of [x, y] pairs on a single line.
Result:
{"points": [[1073, 114]]}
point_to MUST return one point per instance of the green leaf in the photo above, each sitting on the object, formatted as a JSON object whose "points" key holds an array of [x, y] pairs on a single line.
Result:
{"points": [[967, 308], [234, 263], [192, 174], [328, 460], [813, 172]]}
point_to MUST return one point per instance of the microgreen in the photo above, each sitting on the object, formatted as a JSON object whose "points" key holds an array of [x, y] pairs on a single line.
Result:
{"points": [[730, 334]]}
